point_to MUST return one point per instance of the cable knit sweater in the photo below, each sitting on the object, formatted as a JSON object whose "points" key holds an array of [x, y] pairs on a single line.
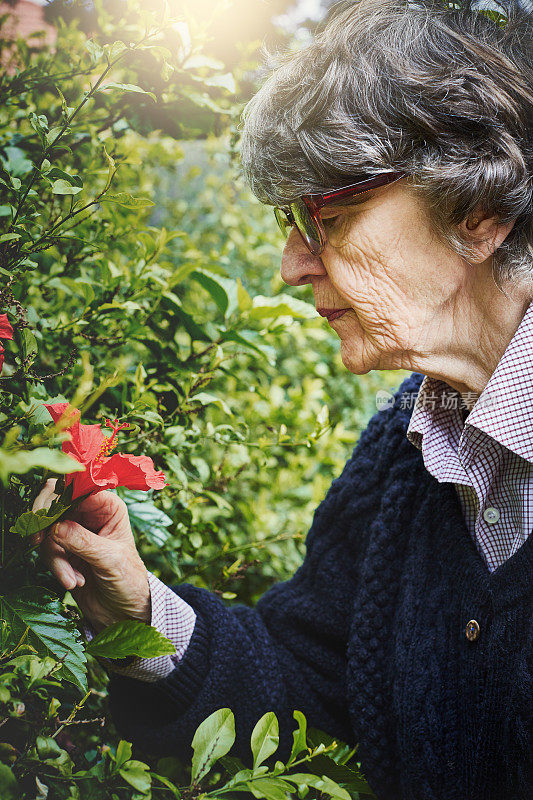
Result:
{"points": [[369, 640]]}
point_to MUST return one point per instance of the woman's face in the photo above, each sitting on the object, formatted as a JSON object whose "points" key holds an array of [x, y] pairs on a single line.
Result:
{"points": [[383, 263]]}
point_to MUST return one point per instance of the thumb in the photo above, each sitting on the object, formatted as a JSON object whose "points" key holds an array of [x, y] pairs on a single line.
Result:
{"points": [[76, 539]]}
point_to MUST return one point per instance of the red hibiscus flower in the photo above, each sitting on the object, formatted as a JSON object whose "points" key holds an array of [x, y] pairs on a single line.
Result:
{"points": [[91, 447], [6, 332]]}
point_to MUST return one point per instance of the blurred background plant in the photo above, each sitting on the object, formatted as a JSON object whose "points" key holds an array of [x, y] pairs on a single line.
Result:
{"points": [[141, 281]]}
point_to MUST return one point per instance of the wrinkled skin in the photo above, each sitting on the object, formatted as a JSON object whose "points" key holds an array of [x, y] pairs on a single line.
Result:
{"points": [[94, 555], [414, 304]]}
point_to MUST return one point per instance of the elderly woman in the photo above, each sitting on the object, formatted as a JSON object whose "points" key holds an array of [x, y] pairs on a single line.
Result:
{"points": [[397, 149]]}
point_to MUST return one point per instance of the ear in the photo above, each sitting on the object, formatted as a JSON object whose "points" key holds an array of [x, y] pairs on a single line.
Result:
{"points": [[485, 232]]}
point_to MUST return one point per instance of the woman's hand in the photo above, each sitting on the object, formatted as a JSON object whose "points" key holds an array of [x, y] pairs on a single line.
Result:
{"points": [[93, 554]]}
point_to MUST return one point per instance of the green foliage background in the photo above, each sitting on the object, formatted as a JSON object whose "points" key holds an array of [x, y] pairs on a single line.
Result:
{"points": [[142, 282]]}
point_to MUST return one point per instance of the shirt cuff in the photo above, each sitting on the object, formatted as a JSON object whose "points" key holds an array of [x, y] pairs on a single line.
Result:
{"points": [[172, 617]]}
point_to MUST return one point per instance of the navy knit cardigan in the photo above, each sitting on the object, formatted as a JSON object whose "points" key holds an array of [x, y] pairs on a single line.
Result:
{"points": [[368, 640]]}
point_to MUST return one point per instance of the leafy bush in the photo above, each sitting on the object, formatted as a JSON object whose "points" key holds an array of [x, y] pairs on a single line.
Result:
{"points": [[169, 316]]}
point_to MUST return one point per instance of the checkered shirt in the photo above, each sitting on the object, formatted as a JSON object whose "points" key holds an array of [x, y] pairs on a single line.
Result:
{"points": [[488, 456]]}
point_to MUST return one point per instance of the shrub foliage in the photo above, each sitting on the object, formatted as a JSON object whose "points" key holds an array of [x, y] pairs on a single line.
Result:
{"points": [[139, 280]]}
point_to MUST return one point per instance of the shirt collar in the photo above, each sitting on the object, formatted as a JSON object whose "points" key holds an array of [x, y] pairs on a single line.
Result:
{"points": [[504, 408]]}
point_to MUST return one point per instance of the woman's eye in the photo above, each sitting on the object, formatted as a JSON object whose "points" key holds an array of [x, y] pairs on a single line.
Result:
{"points": [[329, 221]]}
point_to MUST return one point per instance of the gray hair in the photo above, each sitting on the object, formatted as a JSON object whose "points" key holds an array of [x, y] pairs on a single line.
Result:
{"points": [[440, 90]]}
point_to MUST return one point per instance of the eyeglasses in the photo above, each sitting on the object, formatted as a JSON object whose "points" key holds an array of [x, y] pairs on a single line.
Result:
{"points": [[304, 213]]}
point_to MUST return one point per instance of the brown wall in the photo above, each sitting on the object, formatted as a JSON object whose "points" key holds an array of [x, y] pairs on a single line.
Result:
{"points": [[27, 18]]}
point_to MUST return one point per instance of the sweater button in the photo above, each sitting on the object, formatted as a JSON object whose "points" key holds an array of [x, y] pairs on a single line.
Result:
{"points": [[472, 630]]}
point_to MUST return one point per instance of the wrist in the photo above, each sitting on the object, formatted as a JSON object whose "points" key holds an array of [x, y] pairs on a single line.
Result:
{"points": [[143, 607]]}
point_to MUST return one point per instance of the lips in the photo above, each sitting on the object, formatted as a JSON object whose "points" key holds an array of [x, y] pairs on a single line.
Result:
{"points": [[332, 313]]}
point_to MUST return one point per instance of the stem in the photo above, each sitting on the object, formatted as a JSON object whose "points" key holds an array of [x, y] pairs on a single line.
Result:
{"points": [[239, 549], [272, 774], [72, 714], [66, 125]]}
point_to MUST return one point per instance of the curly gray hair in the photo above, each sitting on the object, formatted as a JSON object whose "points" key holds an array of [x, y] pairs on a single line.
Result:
{"points": [[442, 90]]}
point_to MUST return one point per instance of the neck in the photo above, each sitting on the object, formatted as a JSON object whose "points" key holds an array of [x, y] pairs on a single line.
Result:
{"points": [[474, 328]]}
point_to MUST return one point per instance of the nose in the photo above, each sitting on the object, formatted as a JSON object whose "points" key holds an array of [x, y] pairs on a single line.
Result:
{"points": [[298, 265]]}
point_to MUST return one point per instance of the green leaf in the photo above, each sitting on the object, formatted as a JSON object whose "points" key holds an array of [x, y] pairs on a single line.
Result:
{"points": [[72, 180], [265, 738], [39, 414], [251, 340], [137, 774], [281, 305], [211, 285], [146, 518], [75, 287], [29, 346], [195, 331], [20, 461], [127, 87], [243, 298], [31, 522], [115, 49], [199, 60], [121, 305], [130, 638], [47, 747], [127, 201], [61, 186], [340, 773], [322, 783], [111, 166], [54, 134], [225, 81], [495, 16], [39, 125], [270, 788], [96, 52], [338, 751], [299, 736], [9, 788], [49, 632], [233, 765], [166, 782], [213, 739], [123, 753], [15, 161], [203, 100], [206, 399]]}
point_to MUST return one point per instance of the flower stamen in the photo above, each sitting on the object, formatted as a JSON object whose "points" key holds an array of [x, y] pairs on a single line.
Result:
{"points": [[111, 442]]}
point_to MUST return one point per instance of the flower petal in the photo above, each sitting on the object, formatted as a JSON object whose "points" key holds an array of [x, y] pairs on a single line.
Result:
{"points": [[133, 472], [56, 411], [89, 441], [6, 331], [86, 441], [90, 481]]}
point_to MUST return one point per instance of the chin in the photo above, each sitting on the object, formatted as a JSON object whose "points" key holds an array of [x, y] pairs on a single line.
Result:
{"points": [[352, 362]]}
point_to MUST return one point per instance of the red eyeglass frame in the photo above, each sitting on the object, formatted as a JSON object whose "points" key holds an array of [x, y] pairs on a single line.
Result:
{"points": [[315, 202]]}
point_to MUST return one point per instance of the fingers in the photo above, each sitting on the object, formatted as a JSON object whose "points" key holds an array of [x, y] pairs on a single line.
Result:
{"points": [[43, 500], [58, 562], [103, 512], [76, 539], [46, 495]]}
